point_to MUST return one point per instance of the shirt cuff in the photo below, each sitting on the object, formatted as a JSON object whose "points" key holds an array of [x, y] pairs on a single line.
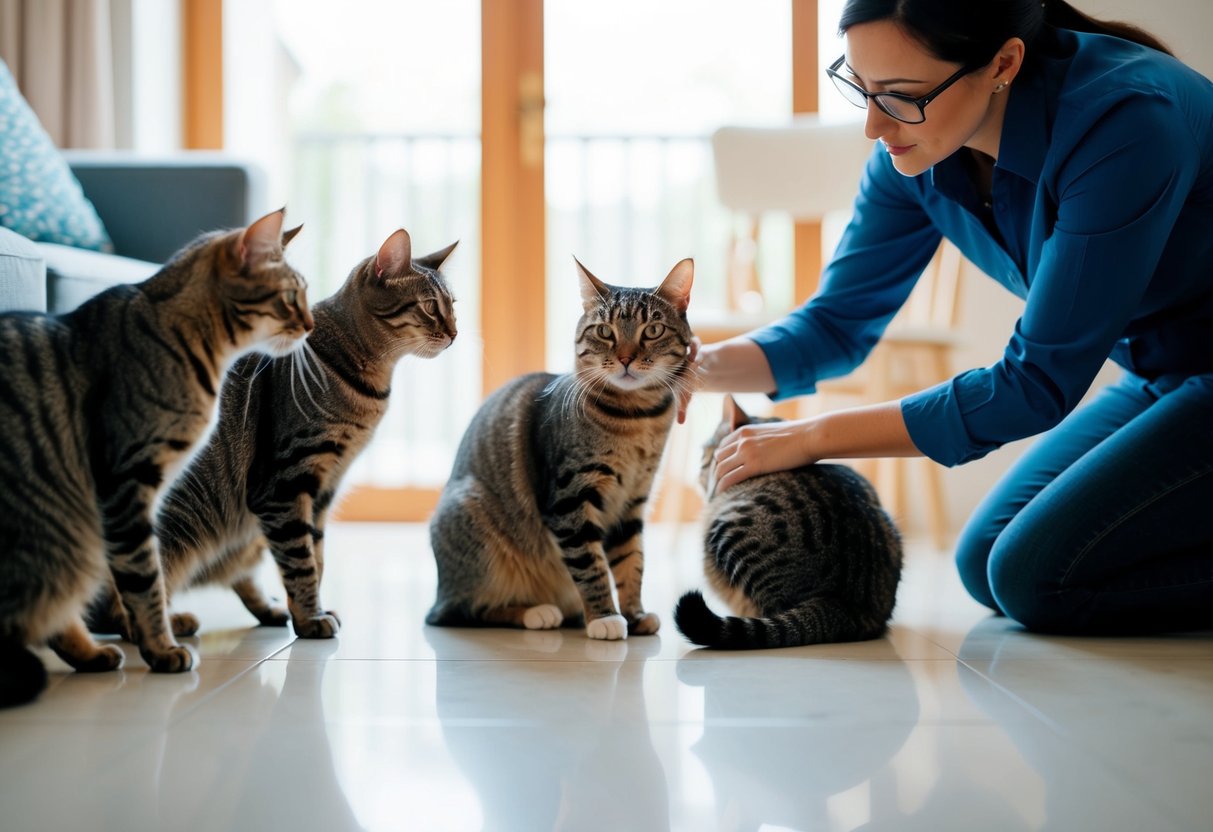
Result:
{"points": [[794, 372], [934, 421]]}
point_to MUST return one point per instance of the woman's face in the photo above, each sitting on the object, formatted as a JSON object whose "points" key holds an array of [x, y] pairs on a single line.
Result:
{"points": [[880, 57]]}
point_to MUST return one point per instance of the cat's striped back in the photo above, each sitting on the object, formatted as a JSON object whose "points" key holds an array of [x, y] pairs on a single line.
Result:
{"points": [[803, 556]]}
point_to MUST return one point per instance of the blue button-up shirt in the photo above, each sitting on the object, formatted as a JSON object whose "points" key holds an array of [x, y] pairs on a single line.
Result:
{"points": [[1103, 207]]}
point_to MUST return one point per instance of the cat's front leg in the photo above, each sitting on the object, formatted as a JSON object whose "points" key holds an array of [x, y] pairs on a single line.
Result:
{"points": [[625, 553], [292, 540], [134, 560], [581, 544]]}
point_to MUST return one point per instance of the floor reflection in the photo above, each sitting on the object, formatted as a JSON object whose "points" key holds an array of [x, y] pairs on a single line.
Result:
{"points": [[1083, 694], [772, 767], [560, 746]]}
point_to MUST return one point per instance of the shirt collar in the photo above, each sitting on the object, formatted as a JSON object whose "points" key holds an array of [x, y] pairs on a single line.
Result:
{"points": [[1028, 123]]}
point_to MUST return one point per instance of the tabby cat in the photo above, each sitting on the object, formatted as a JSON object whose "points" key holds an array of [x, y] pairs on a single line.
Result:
{"points": [[288, 432], [100, 408], [546, 498], [806, 556]]}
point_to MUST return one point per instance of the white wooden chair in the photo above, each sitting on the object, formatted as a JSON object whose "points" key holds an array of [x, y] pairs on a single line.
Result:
{"points": [[808, 169]]}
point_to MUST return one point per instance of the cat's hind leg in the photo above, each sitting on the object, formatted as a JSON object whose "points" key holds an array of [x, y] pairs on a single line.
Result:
{"points": [[76, 647], [258, 604], [522, 616], [542, 617]]}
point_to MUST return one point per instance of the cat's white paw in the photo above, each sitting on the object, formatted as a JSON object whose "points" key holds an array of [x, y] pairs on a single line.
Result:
{"points": [[543, 617], [608, 628]]}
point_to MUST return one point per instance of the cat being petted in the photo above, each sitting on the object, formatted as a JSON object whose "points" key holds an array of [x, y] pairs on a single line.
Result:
{"points": [[541, 521], [100, 409], [804, 556], [288, 431]]}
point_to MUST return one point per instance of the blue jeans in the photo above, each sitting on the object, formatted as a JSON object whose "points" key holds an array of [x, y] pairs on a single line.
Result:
{"points": [[1105, 525]]}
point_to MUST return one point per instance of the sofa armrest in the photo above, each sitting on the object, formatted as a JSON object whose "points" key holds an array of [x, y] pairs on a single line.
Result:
{"points": [[153, 205], [22, 274]]}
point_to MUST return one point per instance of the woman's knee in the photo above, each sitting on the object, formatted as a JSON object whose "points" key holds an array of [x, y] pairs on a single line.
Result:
{"points": [[972, 558], [1025, 582]]}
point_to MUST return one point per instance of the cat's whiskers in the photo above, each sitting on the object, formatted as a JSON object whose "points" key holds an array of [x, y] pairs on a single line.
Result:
{"points": [[676, 382], [598, 380], [297, 370], [394, 346], [312, 363], [263, 362]]}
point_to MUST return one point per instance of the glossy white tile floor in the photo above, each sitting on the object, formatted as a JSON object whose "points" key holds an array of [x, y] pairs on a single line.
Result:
{"points": [[954, 721]]}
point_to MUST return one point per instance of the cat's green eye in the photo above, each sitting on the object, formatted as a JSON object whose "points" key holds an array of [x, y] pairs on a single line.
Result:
{"points": [[604, 331], [430, 307], [654, 330], [290, 295]]}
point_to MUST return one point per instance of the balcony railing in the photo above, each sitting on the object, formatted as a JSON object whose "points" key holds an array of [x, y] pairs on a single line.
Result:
{"points": [[629, 207]]}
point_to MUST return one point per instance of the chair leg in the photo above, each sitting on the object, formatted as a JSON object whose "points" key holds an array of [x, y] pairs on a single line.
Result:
{"points": [[937, 509]]}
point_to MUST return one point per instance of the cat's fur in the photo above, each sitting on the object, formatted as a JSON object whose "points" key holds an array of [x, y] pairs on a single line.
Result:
{"points": [[804, 556], [100, 409], [288, 432], [545, 502]]}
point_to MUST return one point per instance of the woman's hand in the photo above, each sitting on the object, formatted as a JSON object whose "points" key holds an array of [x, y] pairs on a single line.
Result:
{"points": [[692, 381], [760, 449], [873, 430]]}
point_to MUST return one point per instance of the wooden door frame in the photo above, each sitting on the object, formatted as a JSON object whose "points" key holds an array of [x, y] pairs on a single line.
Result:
{"points": [[807, 258], [202, 74], [513, 285]]}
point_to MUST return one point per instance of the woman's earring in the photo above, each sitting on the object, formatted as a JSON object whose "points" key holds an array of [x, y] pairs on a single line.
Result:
{"points": [[1002, 85]]}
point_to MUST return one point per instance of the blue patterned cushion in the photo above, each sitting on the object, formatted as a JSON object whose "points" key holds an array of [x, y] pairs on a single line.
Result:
{"points": [[39, 196]]}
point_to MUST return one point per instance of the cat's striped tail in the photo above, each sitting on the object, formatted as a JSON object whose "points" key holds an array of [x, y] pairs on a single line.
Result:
{"points": [[22, 675], [814, 621]]}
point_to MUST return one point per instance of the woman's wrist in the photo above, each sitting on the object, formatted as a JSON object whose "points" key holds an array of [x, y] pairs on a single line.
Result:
{"points": [[868, 431], [737, 365]]}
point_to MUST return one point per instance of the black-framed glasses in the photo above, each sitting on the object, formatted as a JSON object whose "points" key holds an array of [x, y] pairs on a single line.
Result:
{"points": [[894, 104]]}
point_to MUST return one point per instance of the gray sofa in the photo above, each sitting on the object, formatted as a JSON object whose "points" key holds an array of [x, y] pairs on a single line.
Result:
{"points": [[150, 206]]}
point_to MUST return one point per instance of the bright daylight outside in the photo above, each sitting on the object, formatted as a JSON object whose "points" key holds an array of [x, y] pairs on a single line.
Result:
{"points": [[380, 130]]}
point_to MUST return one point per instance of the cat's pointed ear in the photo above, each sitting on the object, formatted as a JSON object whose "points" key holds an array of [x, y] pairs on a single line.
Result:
{"points": [[287, 236], [733, 414], [434, 261], [262, 239], [395, 254], [676, 288], [593, 290]]}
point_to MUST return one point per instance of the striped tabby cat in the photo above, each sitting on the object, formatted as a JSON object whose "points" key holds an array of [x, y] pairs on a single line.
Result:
{"points": [[99, 410], [288, 432], [545, 502], [806, 556]]}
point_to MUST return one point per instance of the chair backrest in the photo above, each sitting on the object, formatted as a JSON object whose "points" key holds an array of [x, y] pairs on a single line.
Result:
{"points": [[805, 167], [934, 303]]}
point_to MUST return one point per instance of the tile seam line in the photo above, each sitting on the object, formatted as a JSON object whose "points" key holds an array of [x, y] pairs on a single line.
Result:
{"points": [[252, 665]]}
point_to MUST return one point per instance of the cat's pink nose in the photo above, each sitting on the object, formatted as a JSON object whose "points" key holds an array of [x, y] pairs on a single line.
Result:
{"points": [[625, 360]]}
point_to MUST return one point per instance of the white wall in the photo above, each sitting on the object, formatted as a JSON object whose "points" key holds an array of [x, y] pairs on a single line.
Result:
{"points": [[988, 311]]}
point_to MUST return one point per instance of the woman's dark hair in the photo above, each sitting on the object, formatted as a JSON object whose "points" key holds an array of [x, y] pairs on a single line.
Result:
{"points": [[971, 32]]}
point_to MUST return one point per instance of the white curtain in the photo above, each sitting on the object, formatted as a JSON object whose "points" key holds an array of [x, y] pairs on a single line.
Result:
{"points": [[61, 55]]}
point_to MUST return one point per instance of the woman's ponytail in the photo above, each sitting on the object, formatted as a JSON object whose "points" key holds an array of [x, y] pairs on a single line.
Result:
{"points": [[1062, 15]]}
